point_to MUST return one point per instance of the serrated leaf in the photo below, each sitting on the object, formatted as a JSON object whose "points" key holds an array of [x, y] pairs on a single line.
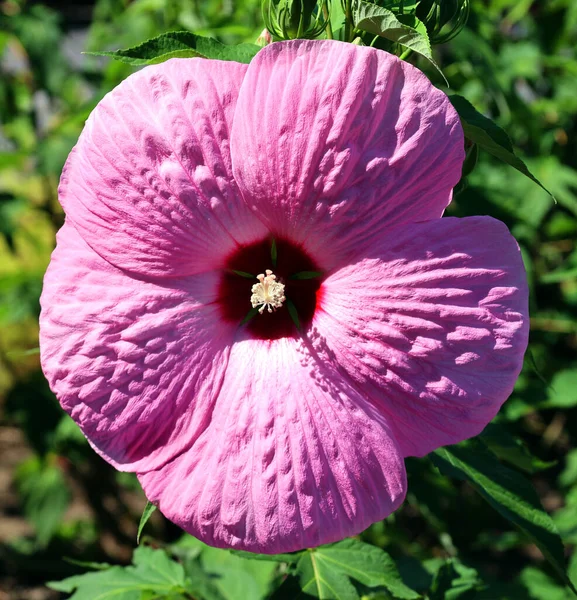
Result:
{"points": [[319, 580], [508, 492], [489, 136], [409, 32], [181, 44], [153, 571], [146, 514], [324, 572], [233, 576]]}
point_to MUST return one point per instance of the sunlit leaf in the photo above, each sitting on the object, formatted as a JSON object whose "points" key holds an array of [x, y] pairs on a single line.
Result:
{"points": [[489, 136], [153, 571], [325, 572], [237, 577], [408, 32], [181, 44]]}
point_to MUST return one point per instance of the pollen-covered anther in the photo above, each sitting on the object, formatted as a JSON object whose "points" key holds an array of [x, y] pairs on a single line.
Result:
{"points": [[268, 293]]}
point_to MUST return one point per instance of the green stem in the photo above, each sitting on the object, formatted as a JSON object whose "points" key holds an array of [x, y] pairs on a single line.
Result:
{"points": [[348, 20], [327, 16], [406, 54]]}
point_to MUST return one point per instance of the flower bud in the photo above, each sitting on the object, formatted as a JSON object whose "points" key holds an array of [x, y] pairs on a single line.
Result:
{"points": [[443, 19], [292, 19], [264, 39]]}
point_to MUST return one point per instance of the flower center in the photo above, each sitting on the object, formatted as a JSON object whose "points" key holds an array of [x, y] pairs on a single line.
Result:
{"points": [[268, 293], [280, 302]]}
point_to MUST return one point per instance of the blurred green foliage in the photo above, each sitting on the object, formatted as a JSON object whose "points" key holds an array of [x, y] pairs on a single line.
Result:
{"points": [[516, 62]]}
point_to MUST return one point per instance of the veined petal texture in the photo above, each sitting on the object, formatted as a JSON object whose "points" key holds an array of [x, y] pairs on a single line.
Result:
{"points": [[149, 185], [194, 173], [294, 457], [432, 326], [136, 363], [333, 143]]}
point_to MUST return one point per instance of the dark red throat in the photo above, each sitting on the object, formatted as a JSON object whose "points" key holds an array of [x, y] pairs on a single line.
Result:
{"points": [[235, 290]]}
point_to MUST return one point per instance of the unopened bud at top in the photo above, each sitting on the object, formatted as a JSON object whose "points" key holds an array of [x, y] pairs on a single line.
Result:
{"points": [[443, 19], [293, 19]]}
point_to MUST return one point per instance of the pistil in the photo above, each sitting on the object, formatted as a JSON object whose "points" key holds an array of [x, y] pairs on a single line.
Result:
{"points": [[268, 293]]}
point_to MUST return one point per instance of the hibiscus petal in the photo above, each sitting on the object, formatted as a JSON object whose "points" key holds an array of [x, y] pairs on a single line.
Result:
{"points": [[332, 143], [149, 185], [432, 326], [293, 457], [136, 364]]}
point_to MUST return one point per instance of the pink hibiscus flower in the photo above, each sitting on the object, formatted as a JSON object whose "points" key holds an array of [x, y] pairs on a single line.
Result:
{"points": [[339, 160]]}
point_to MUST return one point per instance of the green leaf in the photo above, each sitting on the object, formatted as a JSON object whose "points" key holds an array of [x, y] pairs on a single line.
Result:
{"points": [[337, 20], [324, 572], [563, 390], [489, 136], [88, 564], [237, 577], [45, 495], [202, 585], [181, 44], [282, 558], [568, 476], [290, 590], [409, 32], [510, 449], [559, 276], [454, 581], [541, 585], [508, 492], [153, 571], [232, 575], [566, 517], [146, 514], [321, 581]]}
